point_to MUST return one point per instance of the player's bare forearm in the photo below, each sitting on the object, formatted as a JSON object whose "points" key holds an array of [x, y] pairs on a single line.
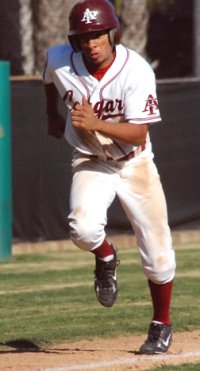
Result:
{"points": [[84, 118], [125, 132]]}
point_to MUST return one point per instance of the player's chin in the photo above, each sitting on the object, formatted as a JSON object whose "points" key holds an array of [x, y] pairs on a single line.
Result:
{"points": [[95, 59]]}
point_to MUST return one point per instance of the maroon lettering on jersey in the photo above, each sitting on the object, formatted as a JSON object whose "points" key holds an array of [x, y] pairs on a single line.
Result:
{"points": [[151, 105], [110, 106], [68, 95]]}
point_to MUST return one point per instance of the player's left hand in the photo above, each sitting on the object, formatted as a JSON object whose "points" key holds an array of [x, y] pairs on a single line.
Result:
{"points": [[83, 116]]}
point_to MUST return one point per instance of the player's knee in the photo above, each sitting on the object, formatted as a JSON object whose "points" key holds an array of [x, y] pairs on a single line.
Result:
{"points": [[85, 234], [161, 277], [162, 269]]}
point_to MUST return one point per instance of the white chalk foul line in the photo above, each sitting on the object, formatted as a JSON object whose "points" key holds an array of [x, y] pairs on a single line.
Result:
{"points": [[123, 361]]}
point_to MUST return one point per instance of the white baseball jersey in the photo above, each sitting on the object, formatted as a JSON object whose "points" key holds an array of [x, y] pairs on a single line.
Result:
{"points": [[127, 92]]}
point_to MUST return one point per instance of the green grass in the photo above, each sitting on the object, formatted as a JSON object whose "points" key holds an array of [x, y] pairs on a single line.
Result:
{"points": [[182, 367], [48, 298]]}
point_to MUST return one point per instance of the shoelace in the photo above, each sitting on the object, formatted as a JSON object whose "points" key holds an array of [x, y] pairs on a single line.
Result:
{"points": [[106, 271], [155, 332]]}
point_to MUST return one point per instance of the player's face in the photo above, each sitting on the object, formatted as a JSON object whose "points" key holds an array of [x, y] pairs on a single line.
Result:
{"points": [[97, 49]]}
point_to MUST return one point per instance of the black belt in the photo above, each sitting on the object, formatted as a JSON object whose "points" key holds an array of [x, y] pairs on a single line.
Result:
{"points": [[126, 157]]}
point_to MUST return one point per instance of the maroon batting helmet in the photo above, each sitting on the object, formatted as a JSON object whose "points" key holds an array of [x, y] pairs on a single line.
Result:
{"points": [[93, 16]]}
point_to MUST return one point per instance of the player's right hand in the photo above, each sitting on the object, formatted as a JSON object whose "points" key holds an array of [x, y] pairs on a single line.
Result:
{"points": [[56, 126]]}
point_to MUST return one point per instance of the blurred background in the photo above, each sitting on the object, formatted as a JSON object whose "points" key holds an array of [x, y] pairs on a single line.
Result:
{"points": [[166, 32]]}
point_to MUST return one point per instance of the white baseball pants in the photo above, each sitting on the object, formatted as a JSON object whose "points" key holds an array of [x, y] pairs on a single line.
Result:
{"points": [[137, 184]]}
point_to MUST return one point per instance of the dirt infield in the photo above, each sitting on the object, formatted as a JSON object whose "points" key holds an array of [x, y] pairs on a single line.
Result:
{"points": [[110, 354]]}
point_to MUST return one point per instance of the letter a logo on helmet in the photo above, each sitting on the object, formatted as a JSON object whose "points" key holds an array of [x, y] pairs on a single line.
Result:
{"points": [[89, 16], [93, 16]]}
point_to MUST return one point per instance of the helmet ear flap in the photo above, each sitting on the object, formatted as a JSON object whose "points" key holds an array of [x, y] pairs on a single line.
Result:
{"points": [[74, 42], [111, 35]]}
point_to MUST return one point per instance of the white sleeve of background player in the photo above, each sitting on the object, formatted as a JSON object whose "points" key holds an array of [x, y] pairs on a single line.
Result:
{"points": [[141, 104]]}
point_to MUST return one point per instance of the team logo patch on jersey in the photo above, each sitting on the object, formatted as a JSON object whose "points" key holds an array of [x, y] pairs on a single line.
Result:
{"points": [[151, 105], [89, 16]]}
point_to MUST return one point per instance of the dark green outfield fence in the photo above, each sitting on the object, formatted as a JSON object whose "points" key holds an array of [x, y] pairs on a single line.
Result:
{"points": [[41, 170]]}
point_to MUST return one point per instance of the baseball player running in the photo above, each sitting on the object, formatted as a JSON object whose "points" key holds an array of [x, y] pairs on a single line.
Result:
{"points": [[110, 94]]}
